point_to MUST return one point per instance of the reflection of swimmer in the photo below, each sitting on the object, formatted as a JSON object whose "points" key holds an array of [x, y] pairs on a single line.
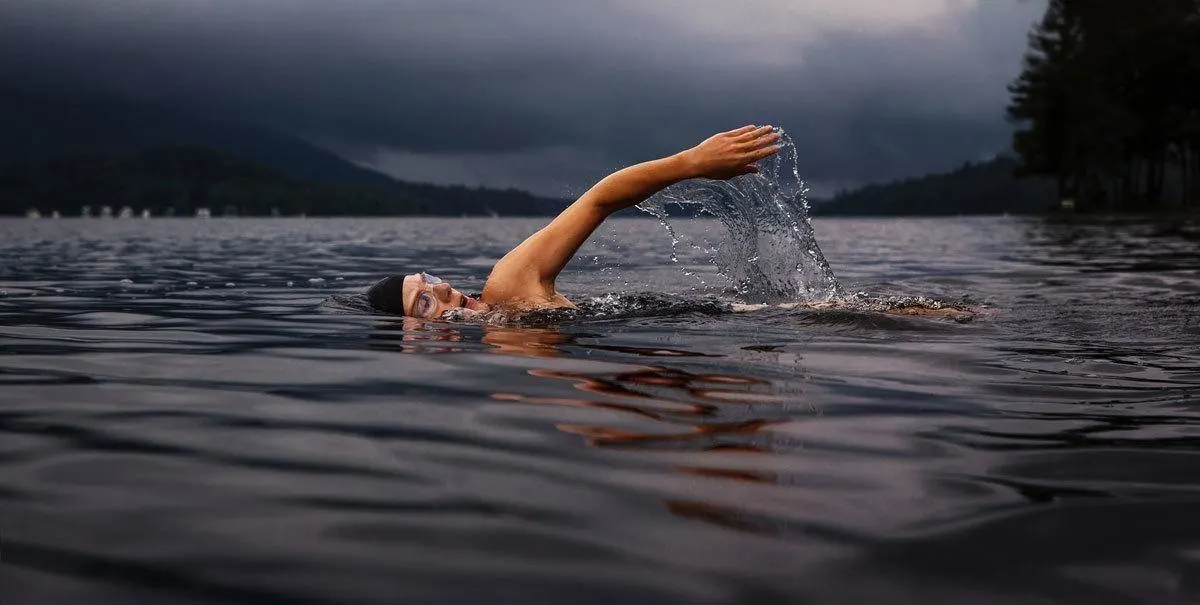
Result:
{"points": [[524, 278], [718, 418]]}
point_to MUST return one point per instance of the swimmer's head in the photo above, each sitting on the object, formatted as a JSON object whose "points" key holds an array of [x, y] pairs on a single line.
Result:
{"points": [[419, 295]]}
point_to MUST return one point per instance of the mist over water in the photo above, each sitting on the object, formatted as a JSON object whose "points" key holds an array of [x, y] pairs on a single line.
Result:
{"points": [[768, 249]]}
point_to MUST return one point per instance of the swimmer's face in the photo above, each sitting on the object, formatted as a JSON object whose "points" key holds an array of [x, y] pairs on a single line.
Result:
{"points": [[428, 297]]}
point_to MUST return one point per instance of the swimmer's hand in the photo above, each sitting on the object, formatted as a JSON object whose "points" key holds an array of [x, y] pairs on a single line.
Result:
{"points": [[729, 154]]}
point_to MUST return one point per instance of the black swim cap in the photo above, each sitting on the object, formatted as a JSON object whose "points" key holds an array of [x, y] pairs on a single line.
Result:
{"points": [[387, 295]]}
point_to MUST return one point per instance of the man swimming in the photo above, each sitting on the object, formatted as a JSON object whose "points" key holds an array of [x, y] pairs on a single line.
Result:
{"points": [[524, 279]]}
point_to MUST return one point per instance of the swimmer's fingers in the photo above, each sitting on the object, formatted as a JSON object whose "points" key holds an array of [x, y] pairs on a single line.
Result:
{"points": [[740, 131], [759, 142], [764, 152], [753, 133]]}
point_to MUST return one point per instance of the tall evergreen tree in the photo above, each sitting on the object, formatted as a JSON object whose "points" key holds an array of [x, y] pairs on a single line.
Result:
{"points": [[1104, 102], [1043, 97]]}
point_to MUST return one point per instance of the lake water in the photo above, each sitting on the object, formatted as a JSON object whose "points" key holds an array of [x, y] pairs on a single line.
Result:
{"points": [[213, 430]]}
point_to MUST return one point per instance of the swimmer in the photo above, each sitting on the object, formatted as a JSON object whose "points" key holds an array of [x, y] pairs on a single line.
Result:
{"points": [[524, 279]]}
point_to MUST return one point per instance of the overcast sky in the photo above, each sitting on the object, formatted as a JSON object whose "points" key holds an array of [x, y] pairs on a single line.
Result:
{"points": [[550, 94]]}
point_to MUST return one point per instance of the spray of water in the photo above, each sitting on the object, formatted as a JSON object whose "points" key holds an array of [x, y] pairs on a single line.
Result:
{"points": [[769, 250]]}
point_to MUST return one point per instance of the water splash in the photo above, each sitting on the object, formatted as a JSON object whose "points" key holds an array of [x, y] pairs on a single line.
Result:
{"points": [[769, 251]]}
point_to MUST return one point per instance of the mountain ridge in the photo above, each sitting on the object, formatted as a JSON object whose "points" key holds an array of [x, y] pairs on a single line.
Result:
{"points": [[40, 126]]}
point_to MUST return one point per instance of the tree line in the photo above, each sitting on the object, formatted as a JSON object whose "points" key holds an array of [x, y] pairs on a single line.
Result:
{"points": [[180, 180], [1108, 106], [972, 188]]}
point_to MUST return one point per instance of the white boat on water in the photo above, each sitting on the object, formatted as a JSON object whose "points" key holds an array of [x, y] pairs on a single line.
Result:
{"points": [[203, 213], [33, 213]]}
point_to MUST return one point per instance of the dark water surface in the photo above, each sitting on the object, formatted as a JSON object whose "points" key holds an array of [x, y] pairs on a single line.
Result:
{"points": [[213, 431]]}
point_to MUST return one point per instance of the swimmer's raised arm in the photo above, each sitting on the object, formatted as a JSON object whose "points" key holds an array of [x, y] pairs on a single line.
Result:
{"points": [[527, 273]]}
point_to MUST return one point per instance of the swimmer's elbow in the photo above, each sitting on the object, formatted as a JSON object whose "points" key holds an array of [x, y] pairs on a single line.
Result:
{"points": [[596, 208]]}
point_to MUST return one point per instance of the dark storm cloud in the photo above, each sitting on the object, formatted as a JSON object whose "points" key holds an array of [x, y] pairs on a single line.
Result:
{"points": [[548, 94]]}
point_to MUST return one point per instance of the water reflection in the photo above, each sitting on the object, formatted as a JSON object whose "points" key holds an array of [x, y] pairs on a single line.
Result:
{"points": [[1132, 244], [689, 412], [531, 342], [658, 408], [686, 407]]}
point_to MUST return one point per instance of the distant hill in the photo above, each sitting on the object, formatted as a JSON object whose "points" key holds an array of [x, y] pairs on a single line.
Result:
{"points": [[180, 180], [974, 188], [34, 127], [61, 154]]}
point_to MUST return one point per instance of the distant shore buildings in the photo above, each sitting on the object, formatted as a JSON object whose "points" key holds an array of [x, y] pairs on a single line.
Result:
{"points": [[34, 213], [88, 211]]}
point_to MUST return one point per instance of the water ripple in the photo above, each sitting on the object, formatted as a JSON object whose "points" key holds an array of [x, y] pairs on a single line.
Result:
{"points": [[190, 416]]}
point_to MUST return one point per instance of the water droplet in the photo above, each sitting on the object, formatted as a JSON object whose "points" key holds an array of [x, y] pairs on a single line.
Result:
{"points": [[192, 283], [127, 282], [230, 285], [316, 280], [291, 283], [338, 278]]}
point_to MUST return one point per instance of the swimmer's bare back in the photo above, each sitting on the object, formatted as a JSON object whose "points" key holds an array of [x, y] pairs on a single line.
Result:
{"points": [[956, 313]]}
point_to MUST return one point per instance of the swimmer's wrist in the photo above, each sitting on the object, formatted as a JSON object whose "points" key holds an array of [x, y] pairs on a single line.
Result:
{"points": [[684, 165]]}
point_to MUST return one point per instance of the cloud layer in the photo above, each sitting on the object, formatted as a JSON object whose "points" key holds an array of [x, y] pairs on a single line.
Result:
{"points": [[547, 94]]}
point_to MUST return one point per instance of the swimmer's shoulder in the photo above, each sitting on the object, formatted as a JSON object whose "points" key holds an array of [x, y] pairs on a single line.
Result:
{"points": [[526, 295], [508, 310]]}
